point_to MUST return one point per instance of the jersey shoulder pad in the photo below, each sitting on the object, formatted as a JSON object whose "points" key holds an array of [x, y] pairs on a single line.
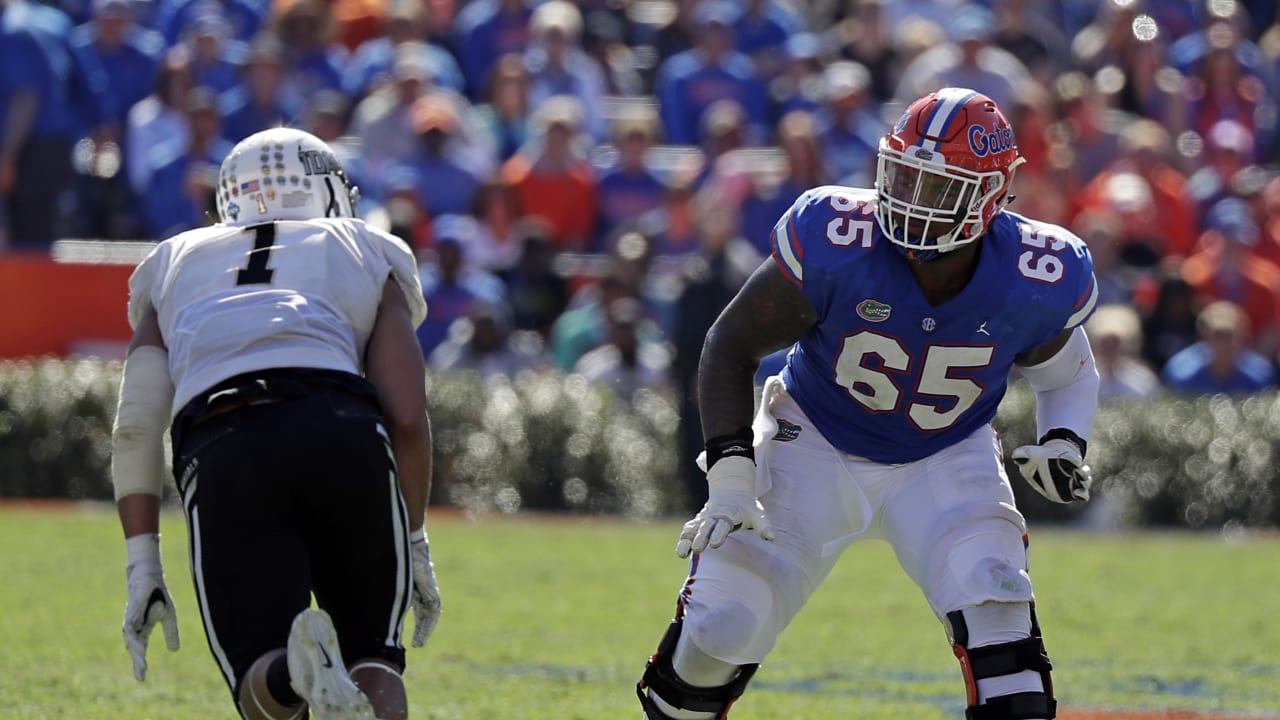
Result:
{"points": [[822, 220], [403, 264], [1056, 262], [147, 280]]}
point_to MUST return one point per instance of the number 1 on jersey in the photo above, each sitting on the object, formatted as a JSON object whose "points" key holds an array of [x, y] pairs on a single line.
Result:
{"points": [[256, 272]]}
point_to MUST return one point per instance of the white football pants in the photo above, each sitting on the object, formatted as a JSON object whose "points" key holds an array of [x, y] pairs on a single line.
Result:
{"points": [[950, 519]]}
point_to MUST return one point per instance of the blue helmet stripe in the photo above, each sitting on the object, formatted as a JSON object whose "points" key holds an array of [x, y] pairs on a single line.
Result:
{"points": [[950, 100]]}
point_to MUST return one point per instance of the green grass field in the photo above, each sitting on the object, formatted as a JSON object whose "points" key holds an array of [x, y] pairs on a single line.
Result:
{"points": [[554, 619]]}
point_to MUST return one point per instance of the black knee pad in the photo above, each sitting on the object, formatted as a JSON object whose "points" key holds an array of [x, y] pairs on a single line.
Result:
{"points": [[1004, 659], [660, 678]]}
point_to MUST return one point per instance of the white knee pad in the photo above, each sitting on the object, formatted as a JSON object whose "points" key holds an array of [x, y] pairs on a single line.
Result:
{"points": [[979, 561], [725, 630]]}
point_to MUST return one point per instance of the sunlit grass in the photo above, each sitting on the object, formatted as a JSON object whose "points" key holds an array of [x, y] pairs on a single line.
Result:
{"points": [[548, 618]]}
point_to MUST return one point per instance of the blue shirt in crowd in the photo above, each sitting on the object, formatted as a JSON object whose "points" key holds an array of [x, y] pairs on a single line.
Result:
{"points": [[1188, 372], [118, 78], [687, 86], [373, 61], [624, 196], [34, 56]]}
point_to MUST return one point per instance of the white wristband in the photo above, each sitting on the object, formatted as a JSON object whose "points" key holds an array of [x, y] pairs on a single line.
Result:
{"points": [[419, 535], [143, 551], [733, 473]]}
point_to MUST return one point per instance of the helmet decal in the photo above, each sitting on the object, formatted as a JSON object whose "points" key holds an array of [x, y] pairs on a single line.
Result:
{"points": [[983, 142], [280, 172]]}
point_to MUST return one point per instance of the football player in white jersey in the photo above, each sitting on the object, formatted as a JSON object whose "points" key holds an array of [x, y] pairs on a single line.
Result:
{"points": [[278, 346], [905, 307]]}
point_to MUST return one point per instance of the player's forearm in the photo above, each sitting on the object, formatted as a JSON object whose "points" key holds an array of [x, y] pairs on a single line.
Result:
{"points": [[139, 514], [412, 448], [726, 387]]}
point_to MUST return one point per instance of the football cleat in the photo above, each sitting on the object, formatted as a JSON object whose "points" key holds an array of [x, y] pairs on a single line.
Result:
{"points": [[317, 672]]}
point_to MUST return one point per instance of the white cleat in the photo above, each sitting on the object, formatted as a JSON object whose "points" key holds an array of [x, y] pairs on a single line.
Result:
{"points": [[317, 672]]}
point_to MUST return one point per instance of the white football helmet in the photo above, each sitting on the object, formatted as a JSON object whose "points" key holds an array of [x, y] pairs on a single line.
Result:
{"points": [[283, 174]]}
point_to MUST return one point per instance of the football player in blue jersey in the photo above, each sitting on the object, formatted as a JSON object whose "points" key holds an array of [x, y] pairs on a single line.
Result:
{"points": [[905, 308]]}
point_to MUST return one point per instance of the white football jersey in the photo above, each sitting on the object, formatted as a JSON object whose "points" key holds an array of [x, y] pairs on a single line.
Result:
{"points": [[231, 299]]}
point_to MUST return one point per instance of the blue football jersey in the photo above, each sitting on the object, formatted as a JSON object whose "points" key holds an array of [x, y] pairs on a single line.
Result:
{"points": [[885, 375]]}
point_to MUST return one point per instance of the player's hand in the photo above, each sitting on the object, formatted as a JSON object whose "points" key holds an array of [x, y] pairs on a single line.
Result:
{"points": [[1055, 469], [731, 504], [149, 603], [426, 593]]}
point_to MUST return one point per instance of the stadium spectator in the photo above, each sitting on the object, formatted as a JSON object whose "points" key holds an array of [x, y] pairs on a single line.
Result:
{"points": [[1085, 129], [761, 33], [496, 243], [629, 188], [373, 62], [258, 102], [1145, 149], [38, 118], [798, 84], [1219, 88], [504, 116], [538, 294], [672, 227], [849, 129], [1221, 362], [584, 325], [301, 442], [451, 282], [446, 186], [181, 192], [557, 65], [216, 58], [604, 39], [482, 342], [117, 61], [312, 60], [1027, 30], [383, 120], [626, 363], [803, 169], [158, 120], [1115, 334], [1227, 267], [692, 81], [969, 60], [552, 177], [487, 30], [173, 18], [1228, 147], [865, 37], [679, 33], [1169, 326]]}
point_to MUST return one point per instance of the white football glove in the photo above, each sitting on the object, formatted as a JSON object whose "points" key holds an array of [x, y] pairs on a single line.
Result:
{"points": [[1056, 470], [149, 601], [731, 504], [426, 593]]}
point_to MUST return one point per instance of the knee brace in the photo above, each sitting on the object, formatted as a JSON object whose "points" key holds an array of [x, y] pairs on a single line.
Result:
{"points": [[660, 678], [1000, 660]]}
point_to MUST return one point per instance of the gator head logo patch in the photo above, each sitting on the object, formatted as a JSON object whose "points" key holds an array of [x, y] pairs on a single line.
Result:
{"points": [[787, 431], [873, 310]]}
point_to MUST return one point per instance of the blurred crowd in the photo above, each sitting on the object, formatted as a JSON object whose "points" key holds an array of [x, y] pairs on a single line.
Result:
{"points": [[587, 183]]}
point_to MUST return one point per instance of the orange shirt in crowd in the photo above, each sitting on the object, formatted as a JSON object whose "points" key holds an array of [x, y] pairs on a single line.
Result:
{"points": [[565, 200], [1255, 288]]}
